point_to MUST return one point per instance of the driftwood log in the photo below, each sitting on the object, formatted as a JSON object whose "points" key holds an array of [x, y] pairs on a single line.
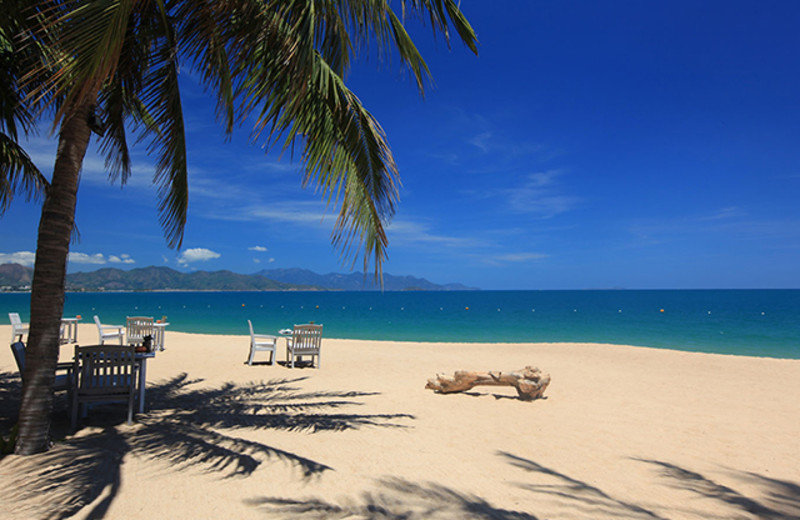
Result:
{"points": [[530, 382]]}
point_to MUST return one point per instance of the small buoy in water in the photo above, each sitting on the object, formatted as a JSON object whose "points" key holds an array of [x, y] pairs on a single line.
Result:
{"points": [[662, 310], [709, 312], [619, 310], [242, 305], [317, 307], [762, 313], [533, 310], [498, 310], [465, 308]]}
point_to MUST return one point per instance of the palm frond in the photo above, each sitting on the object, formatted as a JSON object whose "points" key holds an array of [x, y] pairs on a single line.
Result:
{"points": [[18, 174]]}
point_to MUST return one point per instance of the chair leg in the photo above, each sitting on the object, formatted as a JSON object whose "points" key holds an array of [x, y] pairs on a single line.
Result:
{"points": [[73, 421], [130, 408], [252, 353]]}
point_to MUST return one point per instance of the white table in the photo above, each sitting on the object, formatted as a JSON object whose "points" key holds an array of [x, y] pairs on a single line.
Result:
{"points": [[141, 359], [158, 337]]}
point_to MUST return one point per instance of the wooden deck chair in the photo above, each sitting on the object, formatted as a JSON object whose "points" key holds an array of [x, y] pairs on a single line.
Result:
{"points": [[103, 373], [262, 342], [306, 340], [109, 331]]}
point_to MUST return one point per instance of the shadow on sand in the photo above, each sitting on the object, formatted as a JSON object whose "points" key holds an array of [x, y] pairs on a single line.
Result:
{"points": [[777, 500], [395, 499], [186, 425]]}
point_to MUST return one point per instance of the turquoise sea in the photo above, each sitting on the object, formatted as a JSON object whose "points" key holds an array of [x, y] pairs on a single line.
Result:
{"points": [[742, 322]]}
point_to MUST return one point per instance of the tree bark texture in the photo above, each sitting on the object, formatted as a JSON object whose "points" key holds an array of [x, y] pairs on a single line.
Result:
{"points": [[529, 382], [49, 279]]}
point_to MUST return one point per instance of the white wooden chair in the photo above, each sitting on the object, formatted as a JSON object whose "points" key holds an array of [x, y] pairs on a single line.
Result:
{"points": [[109, 331], [17, 327], [103, 373], [262, 342], [137, 327], [306, 340]]}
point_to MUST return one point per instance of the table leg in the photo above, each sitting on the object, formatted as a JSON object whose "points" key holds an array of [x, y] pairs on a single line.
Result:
{"points": [[142, 382]]}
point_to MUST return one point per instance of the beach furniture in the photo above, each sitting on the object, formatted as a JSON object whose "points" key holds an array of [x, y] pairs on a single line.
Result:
{"points": [[262, 342], [17, 327], [109, 331], [306, 340], [69, 329], [160, 329], [63, 380], [103, 373], [137, 327]]}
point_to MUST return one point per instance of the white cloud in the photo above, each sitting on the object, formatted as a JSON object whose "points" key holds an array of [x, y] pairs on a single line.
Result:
{"points": [[260, 249], [198, 254], [20, 257], [121, 259], [83, 258]]}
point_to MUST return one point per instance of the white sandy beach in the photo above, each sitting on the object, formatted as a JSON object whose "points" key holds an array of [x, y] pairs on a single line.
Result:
{"points": [[623, 432]]}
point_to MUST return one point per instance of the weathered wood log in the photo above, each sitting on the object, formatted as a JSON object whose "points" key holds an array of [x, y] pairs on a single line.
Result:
{"points": [[530, 382]]}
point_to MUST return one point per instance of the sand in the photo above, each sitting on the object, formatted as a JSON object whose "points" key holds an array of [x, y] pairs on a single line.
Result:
{"points": [[623, 432]]}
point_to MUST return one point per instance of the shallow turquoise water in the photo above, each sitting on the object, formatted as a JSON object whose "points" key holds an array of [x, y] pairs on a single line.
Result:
{"points": [[744, 322]]}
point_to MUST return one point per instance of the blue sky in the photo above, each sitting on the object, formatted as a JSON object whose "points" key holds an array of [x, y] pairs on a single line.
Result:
{"points": [[620, 144]]}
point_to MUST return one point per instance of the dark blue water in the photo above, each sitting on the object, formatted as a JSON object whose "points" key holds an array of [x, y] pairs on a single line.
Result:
{"points": [[743, 322]]}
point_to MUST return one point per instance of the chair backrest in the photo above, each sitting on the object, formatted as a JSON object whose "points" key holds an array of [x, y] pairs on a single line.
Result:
{"points": [[105, 370], [97, 322], [137, 327], [18, 348], [252, 334], [307, 338], [14, 317]]}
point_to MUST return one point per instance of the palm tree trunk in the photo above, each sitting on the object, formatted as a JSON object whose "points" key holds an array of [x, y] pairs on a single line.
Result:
{"points": [[49, 279]]}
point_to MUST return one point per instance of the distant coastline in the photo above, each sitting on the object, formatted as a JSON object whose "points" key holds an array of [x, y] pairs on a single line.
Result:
{"points": [[17, 278]]}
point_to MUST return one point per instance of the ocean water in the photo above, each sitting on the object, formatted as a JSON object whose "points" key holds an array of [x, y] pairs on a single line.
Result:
{"points": [[742, 322]]}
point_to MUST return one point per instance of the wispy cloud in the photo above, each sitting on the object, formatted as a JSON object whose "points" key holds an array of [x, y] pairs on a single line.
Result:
{"points": [[197, 254], [481, 141], [414, 232], [725, 224], [260, 249], [518, 257]]}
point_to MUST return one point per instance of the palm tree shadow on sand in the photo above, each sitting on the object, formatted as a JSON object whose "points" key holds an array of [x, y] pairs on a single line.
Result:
{"points": [[778, 500], [187, 425], [395, 499]]}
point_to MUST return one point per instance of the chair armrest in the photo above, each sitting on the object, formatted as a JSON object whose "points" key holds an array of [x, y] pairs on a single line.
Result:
{"points": [[264, 336], [65, 366]]}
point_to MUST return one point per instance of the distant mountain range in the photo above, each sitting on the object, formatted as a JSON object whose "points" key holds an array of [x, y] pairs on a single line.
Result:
{"points": [[18, 277]]}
